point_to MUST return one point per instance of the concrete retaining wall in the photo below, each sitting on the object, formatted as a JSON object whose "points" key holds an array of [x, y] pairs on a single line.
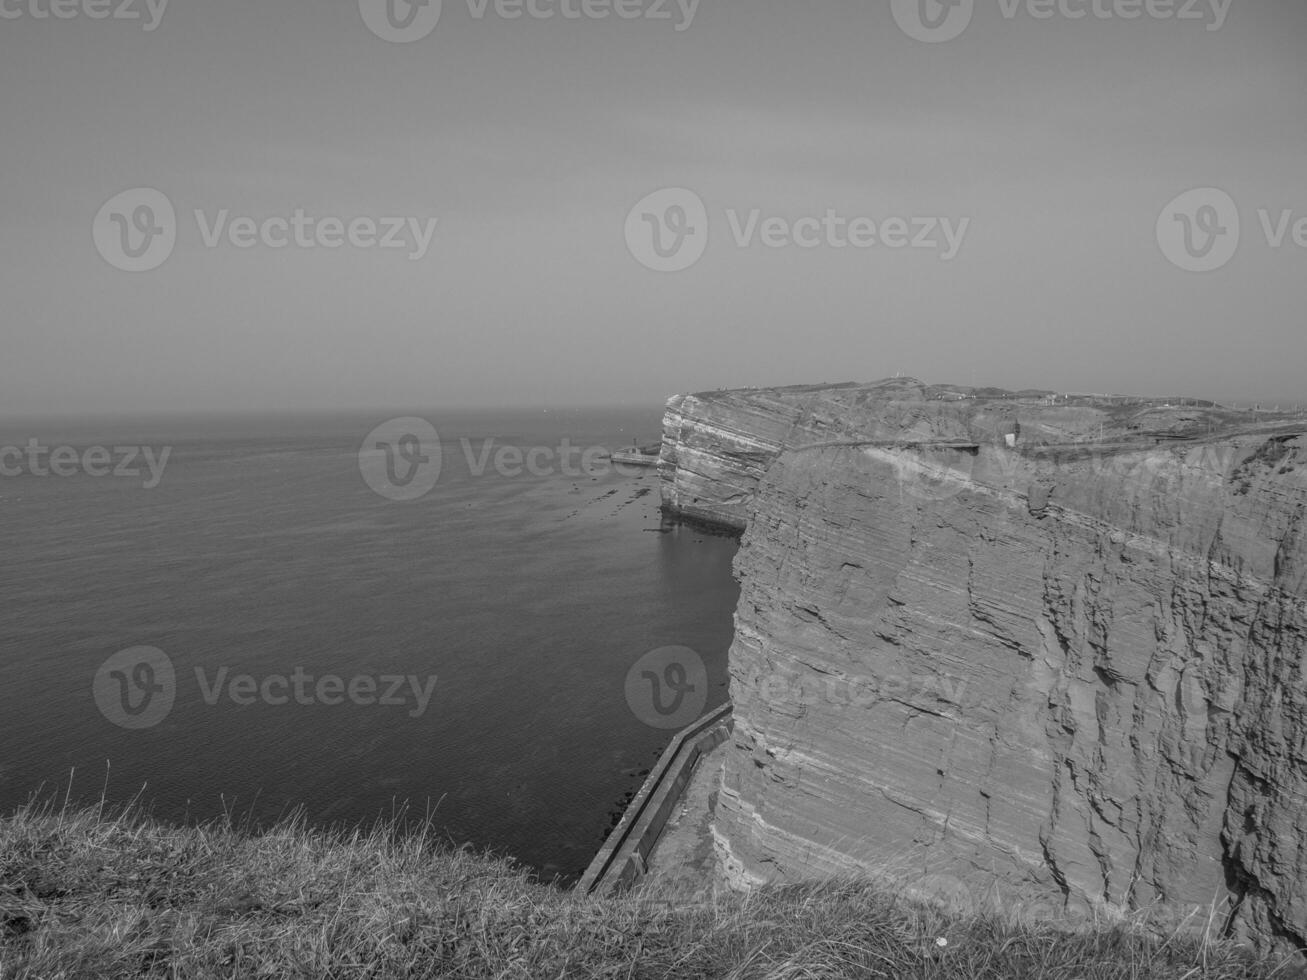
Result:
{"points": [[622, 861]]}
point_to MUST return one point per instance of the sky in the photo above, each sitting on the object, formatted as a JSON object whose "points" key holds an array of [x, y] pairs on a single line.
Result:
{"points": [[1054, 149]]}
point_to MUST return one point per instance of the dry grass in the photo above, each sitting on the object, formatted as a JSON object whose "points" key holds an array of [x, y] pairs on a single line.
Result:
{"points": [[88, 894]]}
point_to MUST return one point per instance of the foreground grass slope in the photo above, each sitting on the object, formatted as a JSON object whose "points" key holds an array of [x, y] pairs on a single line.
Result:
{"points": [[86, 894]]}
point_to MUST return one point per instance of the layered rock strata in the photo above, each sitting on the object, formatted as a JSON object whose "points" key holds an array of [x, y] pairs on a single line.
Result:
{"points": [[1051, 647]]}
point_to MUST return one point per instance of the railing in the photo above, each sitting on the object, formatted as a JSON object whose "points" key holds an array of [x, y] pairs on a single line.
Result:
{"points": [[623, 859], [961, 445]]}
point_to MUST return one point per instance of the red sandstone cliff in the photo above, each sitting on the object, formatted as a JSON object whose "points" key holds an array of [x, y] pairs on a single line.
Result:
{"points": [[1052, 647]]}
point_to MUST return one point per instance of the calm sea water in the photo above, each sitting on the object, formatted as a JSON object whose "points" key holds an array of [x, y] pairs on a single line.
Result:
{"points": [[262, 550]]}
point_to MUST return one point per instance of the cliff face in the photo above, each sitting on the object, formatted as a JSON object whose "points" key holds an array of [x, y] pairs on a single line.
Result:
{"points": [[1052, 648], [716, 449]]}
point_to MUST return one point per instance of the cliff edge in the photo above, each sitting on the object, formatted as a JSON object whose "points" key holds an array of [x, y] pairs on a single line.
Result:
{"points": [[1048, 646]]}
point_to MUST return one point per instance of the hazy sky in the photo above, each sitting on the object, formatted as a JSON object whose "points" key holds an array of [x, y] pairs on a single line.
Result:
{"points": [[1059, 140]]}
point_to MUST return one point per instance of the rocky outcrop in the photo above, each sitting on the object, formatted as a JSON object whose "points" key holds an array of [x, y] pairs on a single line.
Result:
{"points": [[715, 449], [1051, 647]]}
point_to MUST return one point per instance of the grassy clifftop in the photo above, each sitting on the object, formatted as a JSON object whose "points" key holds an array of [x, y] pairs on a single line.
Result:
{"points": [[87, 894]]}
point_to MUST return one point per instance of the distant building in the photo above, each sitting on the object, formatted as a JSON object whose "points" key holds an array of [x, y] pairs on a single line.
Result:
{"points": [[1012, 435]]}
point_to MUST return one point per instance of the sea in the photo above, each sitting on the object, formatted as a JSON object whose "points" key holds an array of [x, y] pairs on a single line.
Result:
{"points": [[253, 630]]}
